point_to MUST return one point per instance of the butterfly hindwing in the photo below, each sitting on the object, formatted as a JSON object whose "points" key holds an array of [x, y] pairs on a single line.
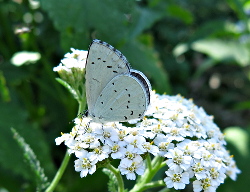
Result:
{"points": [[124, 98]]}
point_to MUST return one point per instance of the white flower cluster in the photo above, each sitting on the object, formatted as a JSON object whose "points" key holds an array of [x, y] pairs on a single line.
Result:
{"points": [[174, 128], [76, 59], [72, 67]]}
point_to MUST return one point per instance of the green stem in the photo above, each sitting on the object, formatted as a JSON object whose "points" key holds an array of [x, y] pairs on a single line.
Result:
{"points": [[153, 185], [59, 173], [82, 100], [118, 177], [150, 172], [148, 162]]}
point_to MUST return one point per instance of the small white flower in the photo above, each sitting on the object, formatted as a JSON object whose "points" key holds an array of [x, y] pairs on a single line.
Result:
{"points": [[162, 145], [63, 138], [149, 147], [177, 160], [135, 143], [117, 151], [77, 58], [187, 147], [207, 158], [132, 156], [178, 180], [107, 134], [217, 176], [175, 133], [204, 184], [232, 170], [199, 170], [88, 140], [100, 153], [85, 165], [129, 168]]}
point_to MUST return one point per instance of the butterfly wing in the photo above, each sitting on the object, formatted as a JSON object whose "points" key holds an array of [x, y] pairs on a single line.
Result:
{"points": [[104, 62], [124, 98]]}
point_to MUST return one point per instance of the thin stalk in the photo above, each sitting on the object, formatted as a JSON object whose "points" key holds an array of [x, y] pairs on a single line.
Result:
{"points": [[143, 183], [59, 173], [118, 177]]}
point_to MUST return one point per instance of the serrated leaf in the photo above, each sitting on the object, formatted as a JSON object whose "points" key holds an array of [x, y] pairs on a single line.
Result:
{"points": [[112, 184], [11, 157], [32, 161]]}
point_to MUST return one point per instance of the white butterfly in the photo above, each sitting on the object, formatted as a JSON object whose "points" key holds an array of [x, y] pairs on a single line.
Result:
{"points": [[114, 91]]}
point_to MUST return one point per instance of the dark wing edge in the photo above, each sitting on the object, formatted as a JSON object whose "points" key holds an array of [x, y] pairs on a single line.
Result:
{"points": [[144, 82], [118, 53]]}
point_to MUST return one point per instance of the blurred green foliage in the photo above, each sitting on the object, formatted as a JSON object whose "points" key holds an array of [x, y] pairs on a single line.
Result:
{"points": [[200, 49]]}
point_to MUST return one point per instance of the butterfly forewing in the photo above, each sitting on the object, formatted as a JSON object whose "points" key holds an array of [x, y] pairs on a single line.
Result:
{"points": [[104, 62]]}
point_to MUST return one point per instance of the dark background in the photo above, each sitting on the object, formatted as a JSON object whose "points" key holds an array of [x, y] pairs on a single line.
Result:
{"points": [[200, 49]]}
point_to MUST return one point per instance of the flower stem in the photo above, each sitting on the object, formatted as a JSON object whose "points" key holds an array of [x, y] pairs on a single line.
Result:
{"points": [[144, 182], [118, 177], [59, 173]]}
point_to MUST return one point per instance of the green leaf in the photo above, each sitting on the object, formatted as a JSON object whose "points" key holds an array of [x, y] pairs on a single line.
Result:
{"points": [[223, 50], [144, 19], [205, 65], [67, 86], [113, 183], [244, 105], [180, 49], [32, 161], [239, 138], [143, 58], [178, 12], [4, 91], [77, 19], [237, 6], [11, 157]]}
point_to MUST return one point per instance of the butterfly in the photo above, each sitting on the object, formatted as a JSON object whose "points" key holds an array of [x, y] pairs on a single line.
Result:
{"points": [[114, 91]]}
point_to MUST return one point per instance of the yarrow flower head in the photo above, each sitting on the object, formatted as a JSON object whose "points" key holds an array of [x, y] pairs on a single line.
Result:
{"points": [[174, 130], [72, 67]]}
